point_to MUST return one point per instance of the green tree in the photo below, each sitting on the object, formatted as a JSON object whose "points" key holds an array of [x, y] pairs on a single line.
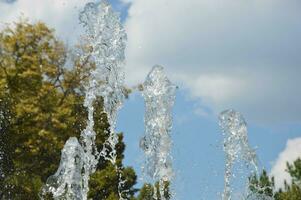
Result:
{"points": [[44, 96], [265, 185], [262, 185], [5, 160], [149, 192], [291, 191]]}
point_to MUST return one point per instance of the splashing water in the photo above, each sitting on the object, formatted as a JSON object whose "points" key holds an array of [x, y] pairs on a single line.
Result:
{"points": [[106, 38], [67, 182], [159, 96], [236, 146]]}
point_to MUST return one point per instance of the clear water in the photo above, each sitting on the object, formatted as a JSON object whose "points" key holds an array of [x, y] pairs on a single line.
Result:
{"points": [[159, 96], [236, 147], [68, 182], [106, 38]]}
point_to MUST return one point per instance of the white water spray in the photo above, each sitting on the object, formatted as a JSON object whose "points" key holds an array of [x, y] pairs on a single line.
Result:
{"points": [[68, 182], [159, 96], [236, 146], [106, 38]]}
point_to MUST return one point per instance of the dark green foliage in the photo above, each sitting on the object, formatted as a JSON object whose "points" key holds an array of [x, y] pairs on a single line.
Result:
{"points": [[295, 171], [149, 192], [265, 184], [291, 191], [5, 159], [262, 185]]}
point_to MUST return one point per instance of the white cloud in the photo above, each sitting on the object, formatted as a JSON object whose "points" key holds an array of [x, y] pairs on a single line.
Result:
{"points": [[291, 152], [230, 53], [59, 14]]}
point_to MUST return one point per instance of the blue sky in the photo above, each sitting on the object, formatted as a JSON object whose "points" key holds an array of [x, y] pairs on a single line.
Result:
{"points": [[221, 54], [198, 156]]}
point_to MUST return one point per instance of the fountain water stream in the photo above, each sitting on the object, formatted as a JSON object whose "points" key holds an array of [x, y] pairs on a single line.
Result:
{"points": [[106, 38], [159, 96], [68, 181], [236, 146]]}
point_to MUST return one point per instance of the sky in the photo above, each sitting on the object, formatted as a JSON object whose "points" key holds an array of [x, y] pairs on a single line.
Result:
{"points": [[222, 54]]}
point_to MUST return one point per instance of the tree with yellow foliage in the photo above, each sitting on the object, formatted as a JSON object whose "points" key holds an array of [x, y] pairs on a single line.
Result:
{"points": [[41, 95]]}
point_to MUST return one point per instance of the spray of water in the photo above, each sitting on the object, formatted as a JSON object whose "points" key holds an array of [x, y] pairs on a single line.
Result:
{"points": [[105, 38], [236, 146], [159, 96], [67, 182]]}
